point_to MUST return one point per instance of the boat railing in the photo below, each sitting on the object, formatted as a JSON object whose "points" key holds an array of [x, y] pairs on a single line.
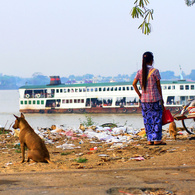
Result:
{"points": [[39, 95]]}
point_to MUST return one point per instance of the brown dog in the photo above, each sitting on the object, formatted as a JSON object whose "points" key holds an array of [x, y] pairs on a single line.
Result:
{"points": [[173, 130], [37, 150]]}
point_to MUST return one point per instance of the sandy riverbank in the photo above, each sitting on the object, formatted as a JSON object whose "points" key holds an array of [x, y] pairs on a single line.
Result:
{"points": [[92, 155]]}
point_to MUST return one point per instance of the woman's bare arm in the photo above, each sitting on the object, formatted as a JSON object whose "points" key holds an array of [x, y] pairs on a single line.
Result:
{"points": [[136, 88], [159, 89]]}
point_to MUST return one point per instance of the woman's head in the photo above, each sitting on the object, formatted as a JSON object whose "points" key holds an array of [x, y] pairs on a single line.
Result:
{"points": [[148, 59]]}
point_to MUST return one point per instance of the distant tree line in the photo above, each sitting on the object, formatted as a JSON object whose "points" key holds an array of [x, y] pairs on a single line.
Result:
{"points": [[14, 82]]}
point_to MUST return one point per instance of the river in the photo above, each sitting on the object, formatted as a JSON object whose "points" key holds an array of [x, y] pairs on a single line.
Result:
{"points": [[9, 104]]}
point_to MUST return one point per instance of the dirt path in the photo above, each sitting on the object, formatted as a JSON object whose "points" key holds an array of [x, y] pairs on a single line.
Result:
{"points": [[171, 180]]}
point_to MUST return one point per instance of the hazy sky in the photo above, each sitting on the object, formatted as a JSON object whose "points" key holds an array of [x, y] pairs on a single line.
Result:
{"points": [[64, 37]]}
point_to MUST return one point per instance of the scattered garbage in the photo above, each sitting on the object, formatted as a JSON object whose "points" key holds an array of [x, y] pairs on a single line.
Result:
{"points": [[117, 136]]}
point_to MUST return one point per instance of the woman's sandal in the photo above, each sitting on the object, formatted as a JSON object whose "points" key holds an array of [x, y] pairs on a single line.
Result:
{"points": [[160, 143], [150, 143]]}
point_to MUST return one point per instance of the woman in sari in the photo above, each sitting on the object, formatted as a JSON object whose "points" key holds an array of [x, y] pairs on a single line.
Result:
{"points": [[151, 99]]}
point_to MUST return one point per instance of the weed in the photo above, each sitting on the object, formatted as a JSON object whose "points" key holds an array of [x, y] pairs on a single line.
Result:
{"points": [[81, 160], [88, 122], [18, 150], [66, 153]]}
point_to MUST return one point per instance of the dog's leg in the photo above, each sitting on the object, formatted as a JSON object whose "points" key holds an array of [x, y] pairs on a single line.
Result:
{"points": [[22, 145], [49, 161]]}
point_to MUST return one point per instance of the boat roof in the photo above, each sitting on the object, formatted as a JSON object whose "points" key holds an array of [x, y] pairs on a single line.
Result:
{"points": [[97, 84]]}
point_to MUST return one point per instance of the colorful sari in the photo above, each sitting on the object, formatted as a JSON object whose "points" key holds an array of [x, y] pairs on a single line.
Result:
{"points": [[152, 114]]}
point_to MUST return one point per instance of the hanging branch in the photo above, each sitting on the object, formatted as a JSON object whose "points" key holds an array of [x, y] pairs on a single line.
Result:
{"points": [[140, 10], [189, 2]]}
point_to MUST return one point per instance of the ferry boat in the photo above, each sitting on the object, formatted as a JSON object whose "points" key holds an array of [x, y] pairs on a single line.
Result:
{"points": [[97, 97]]}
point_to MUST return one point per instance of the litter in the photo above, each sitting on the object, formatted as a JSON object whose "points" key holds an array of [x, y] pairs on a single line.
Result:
{"points": [[139, 158]]}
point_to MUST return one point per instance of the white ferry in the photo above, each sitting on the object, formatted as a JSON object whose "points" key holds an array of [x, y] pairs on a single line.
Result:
{"points": [[97, 97]]}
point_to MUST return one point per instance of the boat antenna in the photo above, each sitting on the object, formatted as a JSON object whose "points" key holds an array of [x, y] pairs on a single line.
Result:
{"points": [[181, 76]]}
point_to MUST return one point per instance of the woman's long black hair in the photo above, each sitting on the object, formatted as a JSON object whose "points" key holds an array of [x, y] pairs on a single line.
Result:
{"points": [[147, 58]]}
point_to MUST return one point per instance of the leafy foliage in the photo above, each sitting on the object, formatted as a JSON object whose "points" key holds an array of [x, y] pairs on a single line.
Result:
{"points": [[189, 2], [141, 10]]}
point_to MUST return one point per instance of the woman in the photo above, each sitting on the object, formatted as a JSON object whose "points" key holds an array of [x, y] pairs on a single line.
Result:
{"points": [[151, 99]]}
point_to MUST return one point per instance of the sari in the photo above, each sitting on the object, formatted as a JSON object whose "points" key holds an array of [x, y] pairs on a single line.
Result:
{"points": [[152, 115]]}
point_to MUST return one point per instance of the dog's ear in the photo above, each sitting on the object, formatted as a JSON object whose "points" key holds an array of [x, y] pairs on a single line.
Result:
{"points": [[16, 116], [22, 116]]}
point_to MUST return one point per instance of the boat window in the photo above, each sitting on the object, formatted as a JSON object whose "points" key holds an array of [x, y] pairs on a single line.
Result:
{"points": [[104, 89], [38, 102], [115, 89], [119, 88], [68, 90], [42, 102], [67, 101], [183, 100], [61, 90], [170, 100], [131, 88], [70, 101], [181, 87], [192, 87], [123, 88], [121, 101], [87, 89], [57, 90], [79, 100], [107, 101], [80, 89], [112, 89], [76, 90], [131, 101], [173, 87], [187, 87], [139, 88], [169, 87], [164, 87], [127, 88], [82, 100], [28, 93], [34, 102], [91, 89], [72, 90], [95, 102], [75, 101], [21, 102], [29, 102], [63, 101], [96, 89], [65, 90], [84, 89], [100, 89], [108, 89], [25, 102]]}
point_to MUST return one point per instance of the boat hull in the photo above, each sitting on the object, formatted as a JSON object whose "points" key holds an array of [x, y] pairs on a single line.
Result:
{"points": [[121, 110]]}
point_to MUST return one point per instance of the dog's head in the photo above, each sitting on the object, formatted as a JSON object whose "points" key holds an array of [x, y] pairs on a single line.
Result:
{"points": [[17, 121]]}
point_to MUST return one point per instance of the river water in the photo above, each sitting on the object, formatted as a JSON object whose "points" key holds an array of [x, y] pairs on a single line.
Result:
{"points": [[9, 105]]}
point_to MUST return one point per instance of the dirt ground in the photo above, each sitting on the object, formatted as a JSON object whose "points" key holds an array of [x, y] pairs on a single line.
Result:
{"points": [[101, 168]]}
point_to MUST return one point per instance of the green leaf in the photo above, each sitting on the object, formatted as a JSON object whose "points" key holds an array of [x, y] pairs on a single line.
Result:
{"points": [[136, 12], [145, 27]]}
